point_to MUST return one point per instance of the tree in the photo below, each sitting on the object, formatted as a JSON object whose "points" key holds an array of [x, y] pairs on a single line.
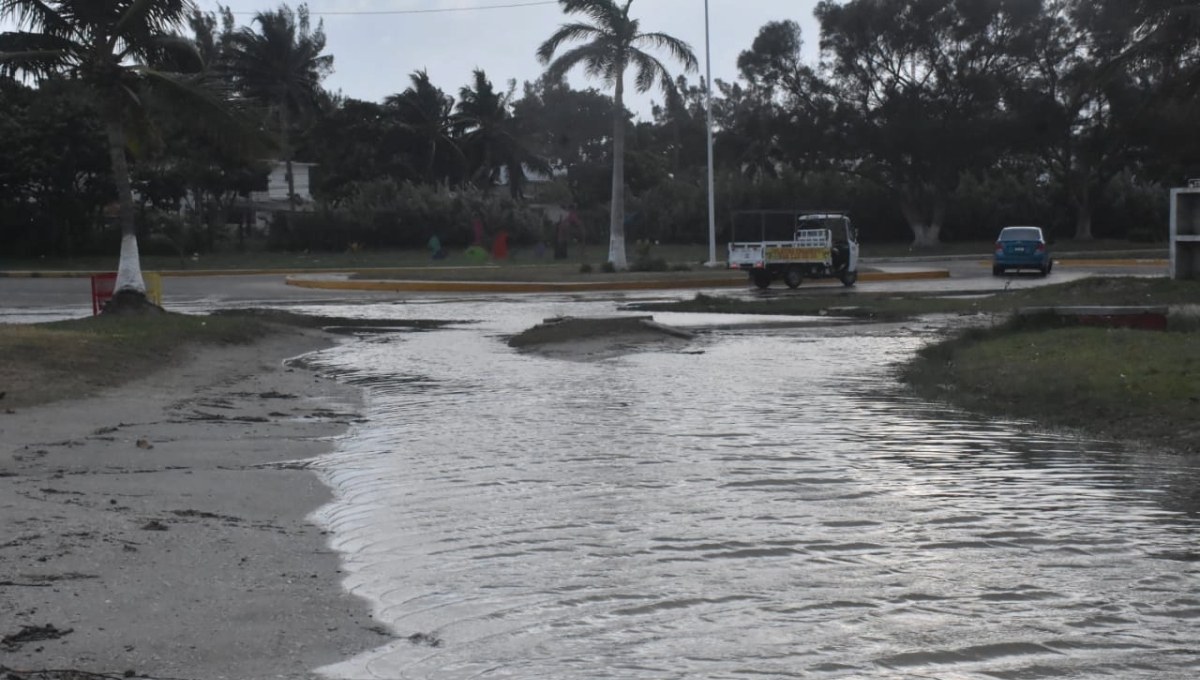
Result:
{"points": [[358, 141], [426, 113], [919, 92], [281, 67], [107, 47], [564, 125], [489, 138], [55, 170], [614, 44]]}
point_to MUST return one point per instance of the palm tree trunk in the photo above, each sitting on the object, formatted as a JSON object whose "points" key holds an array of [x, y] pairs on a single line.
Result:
{"points": [[432, 159], [285, 140], [616, 239], [129, 271]]}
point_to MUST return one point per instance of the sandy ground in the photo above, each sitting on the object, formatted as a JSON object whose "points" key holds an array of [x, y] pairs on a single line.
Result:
{"points": [[594, 339], [154, 531]]}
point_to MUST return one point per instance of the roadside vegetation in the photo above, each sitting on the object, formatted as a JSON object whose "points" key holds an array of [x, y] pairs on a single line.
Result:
{"points": [[837, 301], [76, 358], [1142, 386]]}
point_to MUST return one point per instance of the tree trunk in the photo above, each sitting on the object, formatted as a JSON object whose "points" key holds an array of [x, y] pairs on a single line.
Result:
{"points": [[285, 140], [129, 271], [616, 239], [1083, 214], [926, 233]]}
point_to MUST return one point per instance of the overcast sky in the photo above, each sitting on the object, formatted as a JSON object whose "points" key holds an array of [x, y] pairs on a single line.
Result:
{"points": [[374, 52]]}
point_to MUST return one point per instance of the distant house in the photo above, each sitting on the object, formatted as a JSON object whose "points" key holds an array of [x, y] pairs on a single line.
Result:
{"points": [[532, 179], [273, 197]]}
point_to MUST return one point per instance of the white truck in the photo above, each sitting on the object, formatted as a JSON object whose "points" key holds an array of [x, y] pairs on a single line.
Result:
{"points": [[793, 245]]}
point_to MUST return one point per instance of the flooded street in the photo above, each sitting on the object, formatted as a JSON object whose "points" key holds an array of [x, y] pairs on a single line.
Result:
{"points": [[763, 503]]}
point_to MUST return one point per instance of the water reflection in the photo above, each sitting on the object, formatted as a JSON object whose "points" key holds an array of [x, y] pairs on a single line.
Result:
{"points": [[773, 506]]}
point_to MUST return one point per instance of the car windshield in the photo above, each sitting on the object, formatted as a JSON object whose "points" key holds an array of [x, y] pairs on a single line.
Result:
{"points": [[1021, 234]]}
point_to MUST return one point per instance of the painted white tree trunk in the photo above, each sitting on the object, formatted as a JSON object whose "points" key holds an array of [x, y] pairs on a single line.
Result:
{"points": [[616, 239], [926, 232], [129, 270]]}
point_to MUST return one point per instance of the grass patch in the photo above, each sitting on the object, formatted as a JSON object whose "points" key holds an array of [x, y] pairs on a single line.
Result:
{"points": [[1123, 291], [42, 363], [77, 358], [1119, 383]]}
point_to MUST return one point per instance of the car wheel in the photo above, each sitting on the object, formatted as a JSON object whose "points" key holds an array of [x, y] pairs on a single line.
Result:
{"points": [[1045, 270], [997, 270], [761, 278], [793, 276]]}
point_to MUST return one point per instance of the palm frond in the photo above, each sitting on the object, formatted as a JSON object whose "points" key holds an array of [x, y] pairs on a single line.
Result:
{"points": [[35, 15], [597, 58], [680, 50], [650, 70], [37, 54], [566, 33], [606, 13], [201, 102], [172, 53]]}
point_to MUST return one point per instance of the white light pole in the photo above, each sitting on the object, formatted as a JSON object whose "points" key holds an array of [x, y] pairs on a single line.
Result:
{"points": [[712, 211]]}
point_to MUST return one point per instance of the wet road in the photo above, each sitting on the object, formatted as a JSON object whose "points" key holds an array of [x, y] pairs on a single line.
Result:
{"points": [[41, 299], [767, 503]]}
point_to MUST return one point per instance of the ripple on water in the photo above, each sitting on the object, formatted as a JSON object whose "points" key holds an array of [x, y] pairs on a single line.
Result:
{"points": [[772, 507]]}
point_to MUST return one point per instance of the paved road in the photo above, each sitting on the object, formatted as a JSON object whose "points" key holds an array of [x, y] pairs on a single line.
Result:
{"points": [[34, 299]]}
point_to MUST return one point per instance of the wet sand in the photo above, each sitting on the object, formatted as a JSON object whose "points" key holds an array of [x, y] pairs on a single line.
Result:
{"points": [[159, 530]]}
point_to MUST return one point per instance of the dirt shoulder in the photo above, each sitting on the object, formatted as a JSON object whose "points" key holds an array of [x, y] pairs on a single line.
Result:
{"points": [[151, 528]]}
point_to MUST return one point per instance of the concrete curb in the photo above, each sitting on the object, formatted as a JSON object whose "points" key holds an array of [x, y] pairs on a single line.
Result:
{"points": [[565, 286], [1100, 263]]}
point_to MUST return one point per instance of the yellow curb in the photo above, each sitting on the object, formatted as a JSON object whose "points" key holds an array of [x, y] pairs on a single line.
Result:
{"points": [[563, 286], [505, 286]]}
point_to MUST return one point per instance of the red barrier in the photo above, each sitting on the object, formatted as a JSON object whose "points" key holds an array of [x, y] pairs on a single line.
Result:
{"points": [[102, 290]]}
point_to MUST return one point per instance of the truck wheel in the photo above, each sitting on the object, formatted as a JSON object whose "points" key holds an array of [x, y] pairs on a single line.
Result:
{"points": [[793, 276], [761, 278], [848, 278]]}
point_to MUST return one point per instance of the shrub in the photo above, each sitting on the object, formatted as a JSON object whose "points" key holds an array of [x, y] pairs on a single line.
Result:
{"points": [[643, 261], [385, 213]]}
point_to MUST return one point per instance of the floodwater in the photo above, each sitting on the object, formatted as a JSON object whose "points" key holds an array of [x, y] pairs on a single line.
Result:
{"points": [[765, 503]]}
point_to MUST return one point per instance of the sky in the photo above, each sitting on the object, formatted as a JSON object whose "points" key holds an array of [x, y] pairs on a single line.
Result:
{"points": [[375, 51]]}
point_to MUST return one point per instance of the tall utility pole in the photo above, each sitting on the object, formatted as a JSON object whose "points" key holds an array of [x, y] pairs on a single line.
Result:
{"points": [[712, 210]]}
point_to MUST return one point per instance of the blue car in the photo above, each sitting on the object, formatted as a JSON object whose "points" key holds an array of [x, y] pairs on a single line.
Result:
{"points": [[1021, 248]]}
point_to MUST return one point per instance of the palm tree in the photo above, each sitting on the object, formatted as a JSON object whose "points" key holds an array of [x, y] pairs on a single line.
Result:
{"points": [[426, 113], [281, 67], [109, 48], [615, 43], [489, 139]]}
